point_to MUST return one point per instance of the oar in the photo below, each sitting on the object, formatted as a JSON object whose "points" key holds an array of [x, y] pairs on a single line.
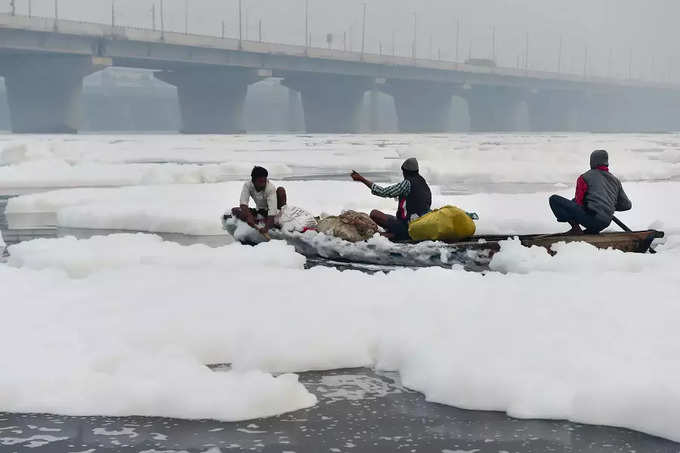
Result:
{"points": [[621, 224], [628, 230]]}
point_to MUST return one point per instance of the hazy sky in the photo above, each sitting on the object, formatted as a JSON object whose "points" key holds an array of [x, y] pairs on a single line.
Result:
{"points": [[644, 28]]}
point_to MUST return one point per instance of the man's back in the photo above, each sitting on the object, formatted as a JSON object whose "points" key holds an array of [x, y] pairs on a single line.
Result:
{"points": [[605, 194]]}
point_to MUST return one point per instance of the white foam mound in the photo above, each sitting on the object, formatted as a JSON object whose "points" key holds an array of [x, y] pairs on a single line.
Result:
{"points": [[60, 173], [594, 343], [80, 363], [81, 258], [515, 258], [146, 383]]}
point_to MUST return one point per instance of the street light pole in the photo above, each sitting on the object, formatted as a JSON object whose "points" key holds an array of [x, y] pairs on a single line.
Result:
{"points": [[162, 20], [12, 7], [630, 64], [260, 30], [240, 24], [559, 58], [186, 17], [493, 43], [526, 54], [113, 13], [415, 36], [153, 16], [306, 23], [394, 43], [457, 39], [363, 33], [30, 8]]}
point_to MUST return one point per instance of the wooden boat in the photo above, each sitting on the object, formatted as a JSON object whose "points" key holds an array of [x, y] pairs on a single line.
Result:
{"points": [[472, 253]]}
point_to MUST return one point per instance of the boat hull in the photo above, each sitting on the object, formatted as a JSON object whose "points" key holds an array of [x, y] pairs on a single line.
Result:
{"points": [[474, 253]]}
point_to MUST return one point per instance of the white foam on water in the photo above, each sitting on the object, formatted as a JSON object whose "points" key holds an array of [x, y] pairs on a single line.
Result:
{"points": [[34, 161], [123, 325], [548, 339]]}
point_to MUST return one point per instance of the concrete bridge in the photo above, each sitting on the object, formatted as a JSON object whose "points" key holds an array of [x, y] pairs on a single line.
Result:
{"points": [[44, 61]]}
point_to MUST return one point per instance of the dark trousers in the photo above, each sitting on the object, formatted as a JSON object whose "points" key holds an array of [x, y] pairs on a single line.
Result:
{"points": [[569, 211], [399, 228]]}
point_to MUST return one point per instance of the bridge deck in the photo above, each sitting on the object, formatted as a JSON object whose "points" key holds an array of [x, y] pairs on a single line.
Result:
{"points": [[137, 47]]}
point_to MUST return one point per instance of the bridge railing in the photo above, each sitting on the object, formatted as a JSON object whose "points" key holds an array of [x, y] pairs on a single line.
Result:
{"points": [[68, 26]]}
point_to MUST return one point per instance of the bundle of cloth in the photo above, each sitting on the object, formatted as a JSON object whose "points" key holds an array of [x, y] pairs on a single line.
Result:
{"points": [[351, 226]]}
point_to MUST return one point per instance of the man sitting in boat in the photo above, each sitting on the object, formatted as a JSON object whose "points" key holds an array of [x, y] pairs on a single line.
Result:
{"points": [[268, 201], [413, 193], [599, 195]]}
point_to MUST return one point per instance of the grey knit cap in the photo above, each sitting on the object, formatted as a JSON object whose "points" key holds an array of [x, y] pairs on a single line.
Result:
{"points": [[410, 164], [599, 158]]}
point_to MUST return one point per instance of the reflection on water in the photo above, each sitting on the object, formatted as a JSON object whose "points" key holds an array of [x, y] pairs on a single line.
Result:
{"points": [[358, 410]]}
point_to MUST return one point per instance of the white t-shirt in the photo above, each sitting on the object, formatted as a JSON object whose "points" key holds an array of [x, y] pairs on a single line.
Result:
{"points": [[265, 200]]}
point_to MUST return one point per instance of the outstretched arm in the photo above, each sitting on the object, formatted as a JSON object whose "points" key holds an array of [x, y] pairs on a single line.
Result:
{"points": [[357, 177], [394, 191], [402, 189]]}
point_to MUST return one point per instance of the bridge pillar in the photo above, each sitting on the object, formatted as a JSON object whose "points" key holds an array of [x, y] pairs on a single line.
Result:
{"points": [[493, 109], [293, 109], [43, 92], [554, 111], [421, 106], [373, 119], [211, 100], [331, 103]]}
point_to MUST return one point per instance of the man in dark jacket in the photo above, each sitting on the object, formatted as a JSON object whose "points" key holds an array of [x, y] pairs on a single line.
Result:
{"points": [[599, 195], [413, 193]]}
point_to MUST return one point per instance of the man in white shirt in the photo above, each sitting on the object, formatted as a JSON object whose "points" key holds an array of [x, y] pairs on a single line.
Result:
{"points": [[268, 201]]}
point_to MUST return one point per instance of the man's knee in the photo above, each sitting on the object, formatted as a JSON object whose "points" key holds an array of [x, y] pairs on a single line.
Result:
{"points": [[559, 209], [556, 200]]}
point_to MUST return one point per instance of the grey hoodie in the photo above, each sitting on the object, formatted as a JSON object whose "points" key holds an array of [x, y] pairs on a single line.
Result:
{"points": [[605, 194]]}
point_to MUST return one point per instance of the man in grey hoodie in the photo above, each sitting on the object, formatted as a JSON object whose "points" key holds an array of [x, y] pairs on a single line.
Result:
{"points": [[599, 195]]}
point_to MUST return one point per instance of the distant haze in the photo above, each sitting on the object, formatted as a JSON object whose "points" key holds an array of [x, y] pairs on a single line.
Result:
{"points": [[611, 30]]}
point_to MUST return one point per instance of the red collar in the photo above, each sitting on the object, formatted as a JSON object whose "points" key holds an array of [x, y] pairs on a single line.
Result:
{"points": [[603, 168]]}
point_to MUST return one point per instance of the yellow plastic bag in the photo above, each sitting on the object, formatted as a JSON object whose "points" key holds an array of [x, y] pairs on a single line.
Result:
{"points": [[446, 224]]}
